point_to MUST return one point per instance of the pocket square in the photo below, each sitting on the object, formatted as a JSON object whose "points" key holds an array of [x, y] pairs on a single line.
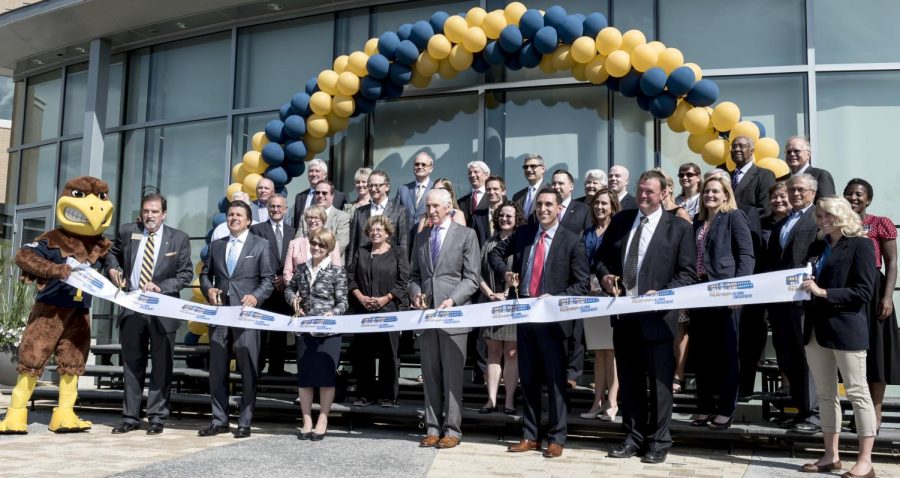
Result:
{"points": [[169, 254], [248, 257]]}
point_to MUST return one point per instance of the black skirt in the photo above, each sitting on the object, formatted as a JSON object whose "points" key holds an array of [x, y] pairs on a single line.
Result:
{"points": [[317, 360], [883, 357]]}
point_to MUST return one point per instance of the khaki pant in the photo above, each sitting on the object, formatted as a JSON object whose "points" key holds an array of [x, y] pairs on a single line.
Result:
{"points": [[824, 364]]}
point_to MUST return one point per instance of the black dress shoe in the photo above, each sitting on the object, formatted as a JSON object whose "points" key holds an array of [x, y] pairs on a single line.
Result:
{"points": [[242, 432], [155, 428], [304, 435], [623, 451], [720, 426], [805, 426], [655, 457], [486, 409], [125, 427], [212, 430], [316, 437]]}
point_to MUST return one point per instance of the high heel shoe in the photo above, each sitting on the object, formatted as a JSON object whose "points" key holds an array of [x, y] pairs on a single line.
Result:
{"points": [[700, 422], [720, 426], [609, 414], [591, 414]]}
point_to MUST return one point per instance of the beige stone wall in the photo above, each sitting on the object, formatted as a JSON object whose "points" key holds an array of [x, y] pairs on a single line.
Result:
{"points": [[4, 162], [7, 5]]}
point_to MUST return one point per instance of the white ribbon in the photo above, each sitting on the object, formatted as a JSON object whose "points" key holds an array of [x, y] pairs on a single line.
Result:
{"points": [[781, 286]]}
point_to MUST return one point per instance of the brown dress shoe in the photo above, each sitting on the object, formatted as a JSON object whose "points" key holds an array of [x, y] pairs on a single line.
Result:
{"points": [[870, 474], [524, 445], [814, 468], [429, 441], [553, 450], [448, 442]]}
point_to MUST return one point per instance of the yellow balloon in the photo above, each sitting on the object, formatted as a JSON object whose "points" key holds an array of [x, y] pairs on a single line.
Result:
{"points": [[439, 47], [197, 294], [676, 121], [343, 106], [328, 81], [546, 64], [729, 164], [320, 103], [562, 57], [618, 63], [698, 73], [426, 65], [357, 64], [446, 70], [259, 140], [513, 12], [657, 45], [748, 129], [669, 59], [197, 328], [696, 142], [249, 183], [475, 16], [644, 57], [608, 40], [203, 340], [340, 64], [595, 72], [766, 148], [233, 188], [696, 120], [197, 268], [253, 162], [238, 173], [316, 126], [420, 81], [584, 49], [714, 151], [336, 123], [725, 115], [493, 23], [776, 165], [371, 47], [348, 83], [633, 39], [474, 39], [455, 28], [460, 58], [314, 145], [578, 72]]}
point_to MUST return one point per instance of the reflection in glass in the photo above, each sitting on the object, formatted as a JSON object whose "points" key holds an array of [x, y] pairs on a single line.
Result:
{"points": [[37, 175], [632, 138], [859, 32], [7, 92], [76, 95], [69, 162], [114, 93], [33, 227], [42, 105]]}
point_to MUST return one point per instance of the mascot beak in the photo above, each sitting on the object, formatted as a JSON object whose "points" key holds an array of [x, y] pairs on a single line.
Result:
{"points": [[86, 216]]}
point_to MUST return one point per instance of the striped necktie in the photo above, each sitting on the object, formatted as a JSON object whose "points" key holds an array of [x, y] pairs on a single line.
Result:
{"points": [[435, 245], [147, 261]]}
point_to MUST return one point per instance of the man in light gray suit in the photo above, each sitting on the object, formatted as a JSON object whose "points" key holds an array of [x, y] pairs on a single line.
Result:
{"points": [[445, 273], [337, 221], [239, 272]]}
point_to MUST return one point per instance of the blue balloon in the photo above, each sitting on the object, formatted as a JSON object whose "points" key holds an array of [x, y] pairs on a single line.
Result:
{"points": [[511, 39], [404, 31], [295, 151], [312, 85], [653, 81], [643, 102], [663, 105], [294, 168], [612, 83], [391, 90], [204, 253], [275, 131], [284, 111], [762, 129], [273, 154], [529, 57], [437, 20], [555, 16], [479, 64], [300, 102], [530, 22], [223, 205], [370, 87], [512, 62], [570, 29], [365, 105], [218, 218], [681, 80], [630, 84], [593, 24], [387, 45], [278, 175], [422, 31], [703, 93], [295, 126], [377, 65], [493, 54], [407, 52], [400, 74], [282, 191], [545, 40], [209, 233]]}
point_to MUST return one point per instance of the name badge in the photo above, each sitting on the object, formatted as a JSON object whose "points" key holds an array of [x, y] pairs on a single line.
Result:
{"points": [[136, 236]]}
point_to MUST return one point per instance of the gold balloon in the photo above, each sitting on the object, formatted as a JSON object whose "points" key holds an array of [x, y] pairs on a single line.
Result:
{"points": [[714, 151], [608, 40], [632, 39], [327, 81], [696, 142], [657, 45], [250, 182], [439, 47], [238, 173], [696, 120], [316, 126], [698, 73], [460, 58], [618, 63], [253, 162], [676, 121], [371, 47], [729, 164], [474, 39], [340, 64], [776, 165], [644, 57], [766, 148], [546, 64], [584, 49], [562, 57], [595, 72], [197, 268], [578, 72], [455, 28], [320, 103], [475, 16], [357, 64], [348, 83], [669, 59], [420, 81], [446, 70], [336, 123], [493, 23], [513, 12], [314, 145], [725, 115], [203, 340], [748, 129], [425, 66], [259, 140], [232, 188], [343, 106], [197, 328]]}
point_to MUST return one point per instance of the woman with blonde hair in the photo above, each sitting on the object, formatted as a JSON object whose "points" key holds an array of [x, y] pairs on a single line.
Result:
{"points": [[456, 214], [361, 183], [298, 249]]}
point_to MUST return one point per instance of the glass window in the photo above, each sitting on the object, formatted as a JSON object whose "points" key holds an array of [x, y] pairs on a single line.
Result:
{"points": [[69, 162], [635, 14], [245, 126], [741, 35], [857, 32], [183, 78], [114, 93], [349, 155], [632, 138], [42, 103], [447, 124], [576, 139], [38, 175], [267, 79], [858, 114], [7, 92], [76, 94]]}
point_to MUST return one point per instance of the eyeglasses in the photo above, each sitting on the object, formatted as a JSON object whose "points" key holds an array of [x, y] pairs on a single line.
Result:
{"points": [[313, 219], [799, 190], [421, 165], [686, 175], [276, 207], [317, 244], [322, 193], [374, 186], [532, 166], [794, 151]]}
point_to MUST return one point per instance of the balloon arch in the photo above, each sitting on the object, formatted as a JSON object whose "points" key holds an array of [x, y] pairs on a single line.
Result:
{"points": [[517, 37]]}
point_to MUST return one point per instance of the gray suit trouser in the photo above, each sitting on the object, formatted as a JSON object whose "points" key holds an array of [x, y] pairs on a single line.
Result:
{"points": [[443, 362], [136, 333], [246, 348]]}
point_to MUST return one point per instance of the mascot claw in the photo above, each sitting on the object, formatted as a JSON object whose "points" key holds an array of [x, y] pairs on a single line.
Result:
{"points": [[15, 423], [64, 420]]}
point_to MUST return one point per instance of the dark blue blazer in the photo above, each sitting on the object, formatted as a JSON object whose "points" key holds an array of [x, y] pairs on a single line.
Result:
{"points": [[728, 248]]}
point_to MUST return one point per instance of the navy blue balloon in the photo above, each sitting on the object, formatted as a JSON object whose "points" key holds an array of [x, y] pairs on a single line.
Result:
{"points": [[209, 233], [511, 38], [612, 83], [300, 102], [570, 29], [530, 22], [294, 168], [223, 204], [219, 218], [295, 151], [703, 93], [275, 131], [681, 80], [377, 65], [422, 31], [295, 126], [387, 45], [593, 24], [278, 175], [555, 16], [284, 111], [407, 52], [365, 105], [404, 31], [663, 105], [653, 81], [312, 85], [437, 20], [370, 87], [512, 62], [762, 129], [479, 64], [273, 154], [529, 57], [282, 191], [643, 102], [493, 54], [204, 253], [630, 84], [545, 40], [391, 90], [400, 74]]}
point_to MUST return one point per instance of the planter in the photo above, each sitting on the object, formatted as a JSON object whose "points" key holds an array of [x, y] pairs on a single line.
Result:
{"points": [[8, 372]]}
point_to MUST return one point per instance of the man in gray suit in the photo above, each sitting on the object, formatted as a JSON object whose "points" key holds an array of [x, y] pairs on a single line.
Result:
{"points": [[337, 221], [239, 272], [155, 259], [445, 273]]}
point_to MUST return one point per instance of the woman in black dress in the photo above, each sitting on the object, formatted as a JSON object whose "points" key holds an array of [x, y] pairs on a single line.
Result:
{"points": [[377, 281]]}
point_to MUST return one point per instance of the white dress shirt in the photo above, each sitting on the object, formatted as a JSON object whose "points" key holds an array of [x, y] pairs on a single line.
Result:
{"points": [[135, 278], [646, 235], [377, 209], [548, 241], [236, 242]]}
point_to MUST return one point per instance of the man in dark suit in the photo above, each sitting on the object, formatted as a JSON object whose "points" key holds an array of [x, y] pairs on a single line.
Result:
{"points": [[445, 272], [155, 259], [547, 260], [482, 220], [316, 172], [618, 182], [239, 272], [750, 183], [788, 248], [533, 167], [797, 155], [644, 251], [278, 234], [379, 185], [265, 188], [412, 194], [476, 200]]}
